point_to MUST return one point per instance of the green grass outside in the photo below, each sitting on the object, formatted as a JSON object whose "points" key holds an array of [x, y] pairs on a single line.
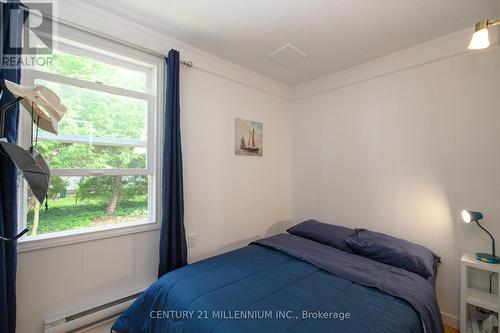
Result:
{"points": [[64, 214]]}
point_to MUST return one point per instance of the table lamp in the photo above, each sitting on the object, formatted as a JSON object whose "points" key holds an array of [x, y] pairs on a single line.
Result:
{"points": [[469, 216]]}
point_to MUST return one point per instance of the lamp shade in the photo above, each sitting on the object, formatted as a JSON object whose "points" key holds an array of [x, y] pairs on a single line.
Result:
{"points": [[480, 38], [469, 216]]}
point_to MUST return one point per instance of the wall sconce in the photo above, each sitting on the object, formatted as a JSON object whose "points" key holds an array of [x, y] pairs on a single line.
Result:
{"points": [[480, 38]]}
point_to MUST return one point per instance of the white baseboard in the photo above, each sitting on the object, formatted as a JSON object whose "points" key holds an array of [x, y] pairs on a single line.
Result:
{"points": [[451, 320]]}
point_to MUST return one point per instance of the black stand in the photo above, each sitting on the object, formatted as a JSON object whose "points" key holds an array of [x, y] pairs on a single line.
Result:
{"points": [[3, 111], [487, 257], [19, 235]]}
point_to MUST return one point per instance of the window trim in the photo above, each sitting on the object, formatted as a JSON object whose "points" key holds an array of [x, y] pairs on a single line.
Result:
{"points": [[64, 238], [156, 67]]}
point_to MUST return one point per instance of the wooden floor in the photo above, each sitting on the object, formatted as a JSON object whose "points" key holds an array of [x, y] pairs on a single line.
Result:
{"points": [[448, 329]]}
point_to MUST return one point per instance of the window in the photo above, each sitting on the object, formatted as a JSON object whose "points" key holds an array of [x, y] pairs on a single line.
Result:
{"points": [[102, 161]]}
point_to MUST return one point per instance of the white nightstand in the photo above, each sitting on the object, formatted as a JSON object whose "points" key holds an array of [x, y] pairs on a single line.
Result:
{"points": [[473, 296]]}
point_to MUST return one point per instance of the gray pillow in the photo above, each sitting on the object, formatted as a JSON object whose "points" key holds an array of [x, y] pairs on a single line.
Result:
{"points": [[394, 251], [328, 234]]}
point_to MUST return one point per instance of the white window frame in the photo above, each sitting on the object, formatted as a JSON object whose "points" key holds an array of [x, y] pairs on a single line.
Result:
{"points": [[111, 53]]}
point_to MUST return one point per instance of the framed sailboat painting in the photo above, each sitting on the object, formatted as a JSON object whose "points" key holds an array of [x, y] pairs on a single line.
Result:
{"points": [[248, 137]]}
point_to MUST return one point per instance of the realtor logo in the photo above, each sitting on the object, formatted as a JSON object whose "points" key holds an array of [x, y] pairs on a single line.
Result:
{"points": [[38, 31], [38, 28]]}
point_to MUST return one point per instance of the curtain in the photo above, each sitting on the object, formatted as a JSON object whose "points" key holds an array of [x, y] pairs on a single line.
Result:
{"points": [[173, 246], [11, 29]]}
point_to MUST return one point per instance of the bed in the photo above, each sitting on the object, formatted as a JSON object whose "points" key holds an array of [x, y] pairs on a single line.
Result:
{"points": [[286, 283]]}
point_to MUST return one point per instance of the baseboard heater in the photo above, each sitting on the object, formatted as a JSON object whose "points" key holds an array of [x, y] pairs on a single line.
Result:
{"points": [[87, 319]]}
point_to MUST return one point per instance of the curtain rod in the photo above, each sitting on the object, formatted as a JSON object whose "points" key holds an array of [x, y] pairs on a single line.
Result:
{"points": [[185, 62]]}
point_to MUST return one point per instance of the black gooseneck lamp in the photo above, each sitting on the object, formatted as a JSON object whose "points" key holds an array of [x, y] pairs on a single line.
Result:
{"points": [[469, 216]]}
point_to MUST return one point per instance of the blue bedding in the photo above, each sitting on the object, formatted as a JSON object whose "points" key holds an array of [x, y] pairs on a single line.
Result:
{"points": [[395, 281], [259, 288]]}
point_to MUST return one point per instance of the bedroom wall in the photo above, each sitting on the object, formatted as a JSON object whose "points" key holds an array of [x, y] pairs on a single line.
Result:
{"points": [[381, 146], [228, 198], [403, 144]]}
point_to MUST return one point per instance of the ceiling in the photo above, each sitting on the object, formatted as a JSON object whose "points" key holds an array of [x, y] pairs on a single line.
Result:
{"points": [[333, 34]]}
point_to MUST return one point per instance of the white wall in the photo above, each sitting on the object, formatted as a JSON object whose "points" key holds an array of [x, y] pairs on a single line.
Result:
{"points": [[401, 145], [231, 198], [228, 198]]}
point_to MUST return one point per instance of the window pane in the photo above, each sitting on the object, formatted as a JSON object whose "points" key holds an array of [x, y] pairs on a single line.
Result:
{"points": [[87, 156], [97, 114], [84, 68], [87, 202]]}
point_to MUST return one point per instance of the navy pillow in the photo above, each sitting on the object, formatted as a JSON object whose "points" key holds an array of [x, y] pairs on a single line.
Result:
{"points": [[394, 251], [328, 234]]}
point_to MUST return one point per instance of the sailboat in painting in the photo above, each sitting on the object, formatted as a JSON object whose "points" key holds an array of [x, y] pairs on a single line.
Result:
{"points": [[250, 145], [248, 137]]}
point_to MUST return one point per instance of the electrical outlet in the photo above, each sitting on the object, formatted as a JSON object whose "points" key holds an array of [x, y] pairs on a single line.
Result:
{"points": [[191, 240]]}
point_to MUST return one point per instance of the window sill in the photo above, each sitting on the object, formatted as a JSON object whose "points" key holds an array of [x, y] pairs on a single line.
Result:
{"points": [[39, 242]]}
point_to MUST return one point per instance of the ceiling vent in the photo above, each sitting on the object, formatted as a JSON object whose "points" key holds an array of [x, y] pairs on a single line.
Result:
{"points": [[286, 55]]}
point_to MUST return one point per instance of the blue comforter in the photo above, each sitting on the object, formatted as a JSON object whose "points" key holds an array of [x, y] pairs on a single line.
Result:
{"points": [[270, 287]]}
